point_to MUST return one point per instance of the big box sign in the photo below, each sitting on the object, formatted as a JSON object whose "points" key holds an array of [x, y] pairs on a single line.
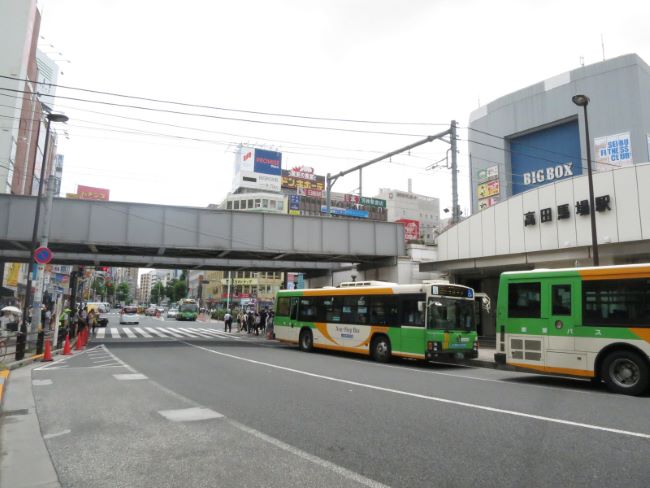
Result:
{"points": [[545, 156]]}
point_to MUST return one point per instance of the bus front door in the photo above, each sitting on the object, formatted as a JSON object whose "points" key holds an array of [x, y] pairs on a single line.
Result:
{"points": [[561, 355]]}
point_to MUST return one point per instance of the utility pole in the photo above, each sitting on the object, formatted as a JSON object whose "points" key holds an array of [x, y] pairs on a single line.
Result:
{"points": [[331, 179], [455, 213]]}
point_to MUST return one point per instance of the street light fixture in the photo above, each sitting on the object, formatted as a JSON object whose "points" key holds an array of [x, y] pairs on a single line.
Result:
{"points": [[583, 101], [51, 117]]}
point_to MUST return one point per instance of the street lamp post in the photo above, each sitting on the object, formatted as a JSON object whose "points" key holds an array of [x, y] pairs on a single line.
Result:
{"points": [[583, 101], [28, 290]]}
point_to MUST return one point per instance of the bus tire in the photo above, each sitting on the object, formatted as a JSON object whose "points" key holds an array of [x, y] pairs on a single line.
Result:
{"points": [[306, 340], [626, 372], [380, 349]]}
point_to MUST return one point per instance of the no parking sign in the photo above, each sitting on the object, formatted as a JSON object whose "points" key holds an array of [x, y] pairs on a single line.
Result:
{"points": [[43, 255]]}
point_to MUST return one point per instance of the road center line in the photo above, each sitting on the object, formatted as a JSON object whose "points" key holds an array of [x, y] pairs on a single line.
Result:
{"points": [[431, 398], [56, 434]]}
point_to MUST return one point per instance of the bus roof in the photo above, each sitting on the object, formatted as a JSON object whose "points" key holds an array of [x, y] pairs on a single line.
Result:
{"points": [[356, 290], [588, 273]]}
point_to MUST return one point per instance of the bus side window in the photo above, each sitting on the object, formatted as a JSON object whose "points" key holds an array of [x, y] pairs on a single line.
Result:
{"points": [[410, 313], [561, 299], [294, 308], [283, 306]]}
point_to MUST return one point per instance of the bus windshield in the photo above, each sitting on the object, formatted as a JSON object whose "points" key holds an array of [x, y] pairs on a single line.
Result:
{"points": [[189, 307], [450, 314]]}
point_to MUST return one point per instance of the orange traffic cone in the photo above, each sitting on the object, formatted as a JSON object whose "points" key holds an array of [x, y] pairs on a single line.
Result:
{"points": [[47, 356], [79, 345], [67, 350]]}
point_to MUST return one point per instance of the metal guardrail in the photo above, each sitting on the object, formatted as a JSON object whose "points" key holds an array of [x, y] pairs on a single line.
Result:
{"points": [[15, 345]]}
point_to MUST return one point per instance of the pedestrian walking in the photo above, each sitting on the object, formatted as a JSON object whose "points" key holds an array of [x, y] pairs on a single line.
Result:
{"points": [[92, 321], [227, 322], [250, 321]]}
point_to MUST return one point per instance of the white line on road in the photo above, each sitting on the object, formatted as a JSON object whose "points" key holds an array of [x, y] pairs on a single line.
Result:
{"points": [[115, 332], [56, 434], [186, 334], [168, 331], [128, 332], [118, 360], [155, 332], [189, 332], [431, 398], [346, 473], [190, 414], [141, 332], [41, 382], [219, 333], [130, 376], [340, 470], [100, 333]]}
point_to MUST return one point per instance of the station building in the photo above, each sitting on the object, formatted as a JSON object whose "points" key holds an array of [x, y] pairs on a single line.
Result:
{"points": [[530, 197]]}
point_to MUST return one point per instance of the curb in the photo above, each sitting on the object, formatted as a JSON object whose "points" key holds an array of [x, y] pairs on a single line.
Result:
{"points": [[4, 377], [35, 357]]}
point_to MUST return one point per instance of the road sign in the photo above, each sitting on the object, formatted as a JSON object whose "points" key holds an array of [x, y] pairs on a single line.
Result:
{"points": [[43, 255]]}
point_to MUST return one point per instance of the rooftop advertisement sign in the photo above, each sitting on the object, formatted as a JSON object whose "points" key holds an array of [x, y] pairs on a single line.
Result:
{"points": [[92, 193], [268, 162]]}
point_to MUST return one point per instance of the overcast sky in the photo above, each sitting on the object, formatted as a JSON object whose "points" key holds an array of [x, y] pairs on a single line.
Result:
{"points": [[379, 60]]}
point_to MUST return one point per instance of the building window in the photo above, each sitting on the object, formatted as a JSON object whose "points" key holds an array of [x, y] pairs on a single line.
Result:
{"points": [[524, 300], [243, 204], [272, 204], [258, 203], [265, 203], [229, 205], [250, 203], [236, 204]]}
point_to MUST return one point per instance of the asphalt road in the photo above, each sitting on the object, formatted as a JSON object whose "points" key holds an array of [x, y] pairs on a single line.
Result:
{"points": [[279, 417]]}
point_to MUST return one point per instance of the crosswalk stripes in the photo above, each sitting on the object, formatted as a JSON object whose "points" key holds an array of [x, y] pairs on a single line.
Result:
{"points": [[128, 333], [141, 332], [155, 332], [164, 333]]}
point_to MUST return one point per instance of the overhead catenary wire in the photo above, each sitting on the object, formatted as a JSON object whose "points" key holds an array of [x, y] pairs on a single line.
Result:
{"points": [[212, 107], [218, 117]]}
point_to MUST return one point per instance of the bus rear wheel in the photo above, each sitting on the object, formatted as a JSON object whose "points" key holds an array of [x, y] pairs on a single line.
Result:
{"points": [[306, 340], [626, 372], [380, 349]]}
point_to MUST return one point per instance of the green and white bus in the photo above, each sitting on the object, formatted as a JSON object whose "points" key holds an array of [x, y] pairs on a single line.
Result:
{"points": [[421, 321], [582, 322], [188, 309]]}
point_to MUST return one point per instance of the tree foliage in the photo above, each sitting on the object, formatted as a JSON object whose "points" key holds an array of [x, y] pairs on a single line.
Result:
{"points": [[123, 293]]}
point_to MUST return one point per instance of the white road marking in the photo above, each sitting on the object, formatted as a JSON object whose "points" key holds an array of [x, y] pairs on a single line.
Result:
{"points": [[141, 332], [184, 333], [346, 473], [487, 380], [41, 382], [115, 332], [431, 398], [56, 434], [190, 414], [118, 360], [103, 360], [155, 332], [101, 333], [128, 332], [188, 331], [129, 376], [169, 331], [219, 333]]}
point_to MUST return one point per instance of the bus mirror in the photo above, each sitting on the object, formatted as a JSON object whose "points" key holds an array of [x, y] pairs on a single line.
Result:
{"points": [[486, 303], [421, 306]]}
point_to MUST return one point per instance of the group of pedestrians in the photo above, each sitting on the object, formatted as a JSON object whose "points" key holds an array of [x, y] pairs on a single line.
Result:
{"points": [[75, 320], [250, 321]]}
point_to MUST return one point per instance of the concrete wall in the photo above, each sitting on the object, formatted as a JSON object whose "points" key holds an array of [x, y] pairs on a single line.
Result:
{"points": [[500, 230]]}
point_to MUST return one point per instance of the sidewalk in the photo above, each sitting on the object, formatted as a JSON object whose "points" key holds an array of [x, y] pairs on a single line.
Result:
{"points": [[27, 463]]}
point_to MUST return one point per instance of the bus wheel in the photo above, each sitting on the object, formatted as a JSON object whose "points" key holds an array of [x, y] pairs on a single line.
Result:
{"points": [[625, 372], [380, 349], [306, 340]]}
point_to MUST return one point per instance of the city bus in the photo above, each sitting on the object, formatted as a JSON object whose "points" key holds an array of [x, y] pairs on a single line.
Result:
{"points": [[583, 322], [421, 321], [188, 309]]}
